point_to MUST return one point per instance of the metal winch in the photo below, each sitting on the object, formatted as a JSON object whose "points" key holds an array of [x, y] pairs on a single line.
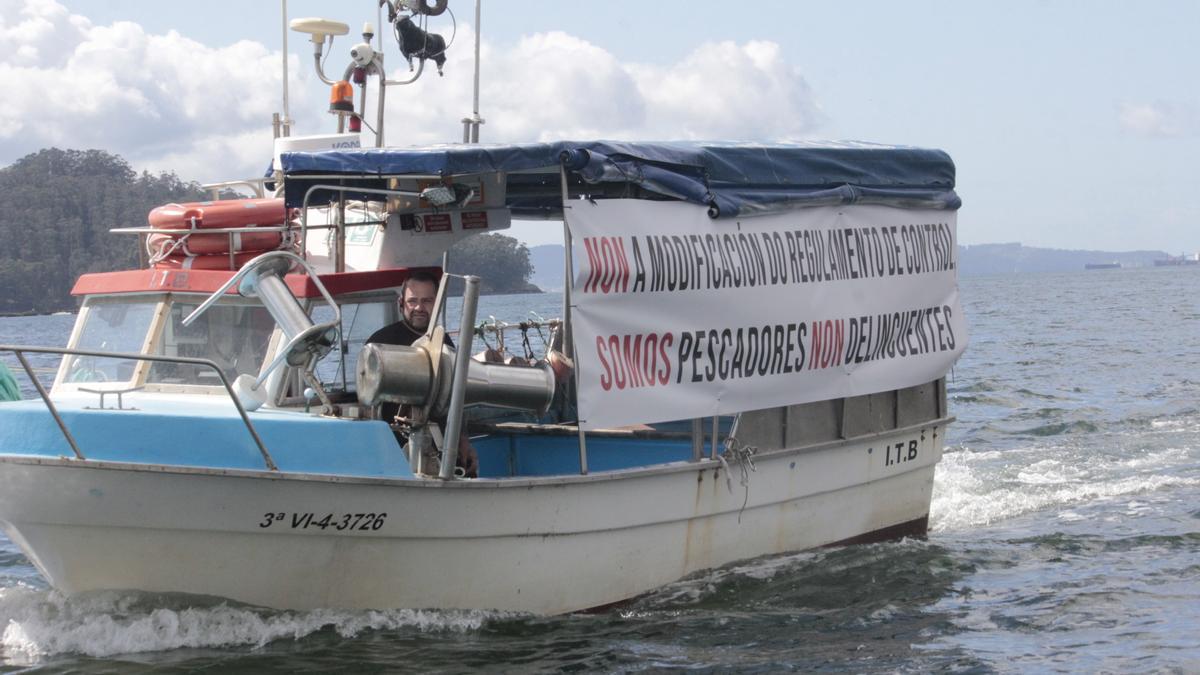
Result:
{"points": [[421, 375]]}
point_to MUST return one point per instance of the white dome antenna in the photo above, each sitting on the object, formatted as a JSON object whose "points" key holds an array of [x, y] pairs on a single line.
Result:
{"points": [[319, 28]]}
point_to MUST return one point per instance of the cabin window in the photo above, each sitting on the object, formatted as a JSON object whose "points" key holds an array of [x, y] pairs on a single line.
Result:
{"points": [[234, 336], [359, 319], [110, 325]]}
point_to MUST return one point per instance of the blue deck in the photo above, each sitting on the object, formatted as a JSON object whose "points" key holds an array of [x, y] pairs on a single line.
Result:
{"points": [[504, 455], [210, 434], [205, 434]]}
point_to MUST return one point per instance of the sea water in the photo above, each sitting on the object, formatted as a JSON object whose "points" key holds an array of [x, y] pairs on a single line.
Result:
{"points": [[1064, 536]]}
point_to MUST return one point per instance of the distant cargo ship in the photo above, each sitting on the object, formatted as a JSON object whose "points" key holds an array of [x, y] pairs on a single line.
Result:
{"points": [[1103, 266], [1172, 261]]}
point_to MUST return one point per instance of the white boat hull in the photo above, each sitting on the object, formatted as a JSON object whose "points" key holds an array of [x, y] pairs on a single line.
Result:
{"points": [[546, 545]]}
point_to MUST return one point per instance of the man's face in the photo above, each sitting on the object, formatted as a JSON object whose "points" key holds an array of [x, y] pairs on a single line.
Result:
{"points": [[417, 304]]}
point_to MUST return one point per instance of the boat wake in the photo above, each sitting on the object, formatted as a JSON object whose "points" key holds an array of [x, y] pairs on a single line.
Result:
{"points": [[976, 489], [40, 623]]}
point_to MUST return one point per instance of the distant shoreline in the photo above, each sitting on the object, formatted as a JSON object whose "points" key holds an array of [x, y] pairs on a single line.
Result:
{"points": [[13, 315]]}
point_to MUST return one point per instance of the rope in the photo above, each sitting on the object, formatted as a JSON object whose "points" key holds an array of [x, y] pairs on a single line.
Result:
{"points": [[166, 248], [525, 340], [492, 325], [537, 324], [743, 455], [499, 326]]}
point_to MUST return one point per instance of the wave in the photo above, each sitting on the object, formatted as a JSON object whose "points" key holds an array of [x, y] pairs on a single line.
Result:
{"points": [[40, 623], [1059, 428], [976, 489]]}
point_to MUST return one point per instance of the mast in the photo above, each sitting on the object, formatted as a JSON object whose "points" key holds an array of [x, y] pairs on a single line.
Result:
{"points": [[471, 124], [286, 122]]}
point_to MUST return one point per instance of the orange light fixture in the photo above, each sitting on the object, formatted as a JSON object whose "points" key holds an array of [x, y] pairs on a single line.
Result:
{"points": [[341, 97]]}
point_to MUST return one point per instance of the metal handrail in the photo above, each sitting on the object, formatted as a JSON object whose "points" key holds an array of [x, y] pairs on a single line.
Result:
{"points": [[458, 383], [340, 226], [257, 184], [20, 351], [150, 229], [294, 340]]}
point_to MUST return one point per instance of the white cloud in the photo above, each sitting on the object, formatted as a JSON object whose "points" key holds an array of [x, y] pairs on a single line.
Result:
{"points": [[168, 102], [1161, 118], [726, 90], [36, 32], [555, 86], [120, 89]]}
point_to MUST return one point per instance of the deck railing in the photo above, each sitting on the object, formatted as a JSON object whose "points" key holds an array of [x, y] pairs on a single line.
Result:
{"points": [[21, 350]]}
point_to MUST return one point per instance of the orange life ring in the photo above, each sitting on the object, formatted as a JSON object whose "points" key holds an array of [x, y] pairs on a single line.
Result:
{"points": [[222, 213], [207, 244], [206, 262]]}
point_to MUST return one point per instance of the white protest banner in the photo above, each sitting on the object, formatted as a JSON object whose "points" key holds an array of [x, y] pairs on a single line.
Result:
{"points": [[677, 316]]}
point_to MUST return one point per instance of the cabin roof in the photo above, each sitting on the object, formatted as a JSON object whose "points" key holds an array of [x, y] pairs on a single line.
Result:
{"points": [[208, 281], [732, 179]]}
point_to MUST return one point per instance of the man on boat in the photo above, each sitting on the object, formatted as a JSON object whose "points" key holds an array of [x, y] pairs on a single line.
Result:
{"points": [[417, 297]]}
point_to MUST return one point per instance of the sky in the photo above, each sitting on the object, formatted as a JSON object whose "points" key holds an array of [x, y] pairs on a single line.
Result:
{"points": [[1072, 124]]}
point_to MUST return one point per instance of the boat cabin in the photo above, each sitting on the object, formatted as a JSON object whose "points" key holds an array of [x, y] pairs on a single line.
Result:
{"points": [[143, 312]]}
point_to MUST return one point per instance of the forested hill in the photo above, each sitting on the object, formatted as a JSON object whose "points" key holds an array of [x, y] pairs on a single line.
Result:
{"points": [[500, 261], [56, 207]]}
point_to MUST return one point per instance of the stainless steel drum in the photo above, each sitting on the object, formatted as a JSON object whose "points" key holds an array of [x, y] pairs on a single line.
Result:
{"points": [[405, 375]]}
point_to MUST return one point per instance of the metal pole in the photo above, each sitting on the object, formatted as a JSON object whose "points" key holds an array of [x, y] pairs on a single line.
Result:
{"points": [[475, 121], [274, 293], [471, 124], [716, 430], [379, 113], [362, 106], [697, 439], [439, 302], [237, 403], [440, 315], [287, 118], [583, 464], [378, 63], [46, 399], [339, 264], [568, 339], [458, 388], [568, 273]]}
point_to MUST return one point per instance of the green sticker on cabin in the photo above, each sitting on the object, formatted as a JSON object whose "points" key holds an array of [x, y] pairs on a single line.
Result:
{"points": [[360, 235], [9, 391]]}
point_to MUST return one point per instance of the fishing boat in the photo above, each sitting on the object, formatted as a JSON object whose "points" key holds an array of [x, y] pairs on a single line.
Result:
{"points": [[750, 361]]}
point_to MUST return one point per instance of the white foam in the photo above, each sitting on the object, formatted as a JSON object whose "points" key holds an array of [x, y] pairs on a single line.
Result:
{"points": [[1070, 516], [42, 623], [1187, 424], [765, 569], [1050, 472], [1154, 460], [702, 584], [977, 489], [884, 613]]}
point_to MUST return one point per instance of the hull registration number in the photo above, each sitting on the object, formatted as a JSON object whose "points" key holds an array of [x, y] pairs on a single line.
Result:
{"points": [[322, 521]]}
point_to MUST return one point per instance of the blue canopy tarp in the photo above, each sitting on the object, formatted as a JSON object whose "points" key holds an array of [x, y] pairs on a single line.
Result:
{"points": [[732, 179]]}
